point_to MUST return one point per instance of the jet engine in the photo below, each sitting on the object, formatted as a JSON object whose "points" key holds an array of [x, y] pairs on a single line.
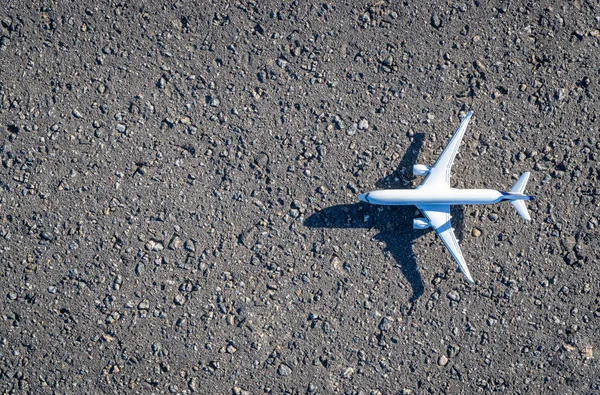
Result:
{"points": [[421, 170], [420, 223]]}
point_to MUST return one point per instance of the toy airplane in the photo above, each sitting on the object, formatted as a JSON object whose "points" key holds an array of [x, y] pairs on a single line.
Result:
{"points": [[434, 196]]}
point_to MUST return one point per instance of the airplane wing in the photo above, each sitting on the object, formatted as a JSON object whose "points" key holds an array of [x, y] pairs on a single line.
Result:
{"points": [[439, 175], [439, 218]]}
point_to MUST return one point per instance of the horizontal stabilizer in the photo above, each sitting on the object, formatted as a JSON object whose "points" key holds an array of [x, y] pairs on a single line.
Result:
{"points": [[519, 205], [519, 186]]}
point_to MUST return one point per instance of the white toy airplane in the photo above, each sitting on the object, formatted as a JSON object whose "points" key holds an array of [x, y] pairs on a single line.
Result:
{"points": [[434, 196]]}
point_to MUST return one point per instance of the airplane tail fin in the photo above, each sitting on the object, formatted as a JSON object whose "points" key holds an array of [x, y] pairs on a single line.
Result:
{"points": [[518, 188]]}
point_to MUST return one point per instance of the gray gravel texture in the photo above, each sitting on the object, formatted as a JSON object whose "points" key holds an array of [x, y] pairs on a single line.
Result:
{"points": [[178, 187]]}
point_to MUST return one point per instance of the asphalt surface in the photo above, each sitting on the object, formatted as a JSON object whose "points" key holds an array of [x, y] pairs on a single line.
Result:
{"points": [[178, 197]]}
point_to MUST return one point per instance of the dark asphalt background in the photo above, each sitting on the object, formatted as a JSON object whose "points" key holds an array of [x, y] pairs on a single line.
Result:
{"points": [[178, 189]]}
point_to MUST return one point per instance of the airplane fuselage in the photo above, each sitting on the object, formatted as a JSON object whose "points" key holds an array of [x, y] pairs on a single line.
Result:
{"points": [[450, 196]]}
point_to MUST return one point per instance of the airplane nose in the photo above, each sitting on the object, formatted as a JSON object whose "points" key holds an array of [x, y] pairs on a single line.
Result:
{"points": [[364, 197]]}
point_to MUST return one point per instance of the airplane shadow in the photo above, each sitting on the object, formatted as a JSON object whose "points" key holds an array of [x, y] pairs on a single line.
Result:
{"points": [[394, 223]]}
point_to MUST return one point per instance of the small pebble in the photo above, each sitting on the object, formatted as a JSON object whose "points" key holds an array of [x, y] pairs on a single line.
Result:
{"points": [[240, 391], [352, 130], [231, 349], [453, 350], [261, 159], [560, 94], [454, 296], [194, 384], [190, 246], [386, 323], [443, 360], [348, 373], [179, 299], [154, 245], [476, 232], [479, 66], [284, 370], [175, 243], [363, 124], [435, 20], [281, 63]]}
